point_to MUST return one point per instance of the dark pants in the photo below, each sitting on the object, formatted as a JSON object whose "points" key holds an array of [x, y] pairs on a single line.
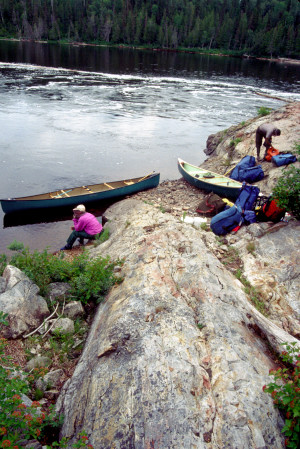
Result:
{"points": [[78, 234], [258, 141]]}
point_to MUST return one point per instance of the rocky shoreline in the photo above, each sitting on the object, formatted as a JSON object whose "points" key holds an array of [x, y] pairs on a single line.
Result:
{"points": [[178, 353]]}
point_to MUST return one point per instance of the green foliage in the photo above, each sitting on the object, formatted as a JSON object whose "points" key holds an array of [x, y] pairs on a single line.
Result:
{"points": [[263, 111], [233, 143], [3, 263], [20, 422], [287, 190], [285, 391], [89, 279], [241, 28], [102, 237], [94, 280], [251, 292], [251, 248], [16, 246], [205, 227]]}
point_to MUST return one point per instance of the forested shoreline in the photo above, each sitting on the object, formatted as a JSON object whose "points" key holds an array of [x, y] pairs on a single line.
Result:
{"points": [[267, 28]]}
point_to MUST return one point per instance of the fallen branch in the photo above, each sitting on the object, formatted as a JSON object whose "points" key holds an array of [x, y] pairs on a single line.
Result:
{"points": [[43, 323], [55, 321]]}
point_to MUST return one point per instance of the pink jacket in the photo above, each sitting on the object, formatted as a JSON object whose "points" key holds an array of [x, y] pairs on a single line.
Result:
{"points": [[88, 223]]}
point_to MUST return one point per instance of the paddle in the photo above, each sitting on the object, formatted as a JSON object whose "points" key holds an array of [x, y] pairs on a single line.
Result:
{"points": [[142, 179], [225, 174]]}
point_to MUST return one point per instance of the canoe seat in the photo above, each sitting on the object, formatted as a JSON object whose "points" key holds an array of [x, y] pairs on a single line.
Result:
{"points": [[107, 185]]}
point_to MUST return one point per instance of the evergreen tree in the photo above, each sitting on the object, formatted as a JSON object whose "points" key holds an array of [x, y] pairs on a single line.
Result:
{"points": [[259, 27]]}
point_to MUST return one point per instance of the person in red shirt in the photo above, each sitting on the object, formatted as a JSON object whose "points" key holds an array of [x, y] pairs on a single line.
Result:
{"points": [[86, 226]]}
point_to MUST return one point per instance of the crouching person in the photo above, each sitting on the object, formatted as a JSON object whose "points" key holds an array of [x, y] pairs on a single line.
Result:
{"points": [[86, 226]]}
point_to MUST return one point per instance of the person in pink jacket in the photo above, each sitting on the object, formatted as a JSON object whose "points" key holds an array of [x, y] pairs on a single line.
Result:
{"points": [[86, 226]]}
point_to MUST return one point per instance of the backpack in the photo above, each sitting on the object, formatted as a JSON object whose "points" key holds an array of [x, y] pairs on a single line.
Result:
{"points": [[249, 217], [226, 220], [246, 162], [245, 170], [270, 153], [284, 159], [247, 197], [270, 211], [211, 205], [251, 174]]}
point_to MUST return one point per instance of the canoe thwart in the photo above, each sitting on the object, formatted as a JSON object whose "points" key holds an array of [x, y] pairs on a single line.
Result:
{"points": [[107, 185]]}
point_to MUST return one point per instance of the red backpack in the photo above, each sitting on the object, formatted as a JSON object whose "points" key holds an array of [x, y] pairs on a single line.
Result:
{"points": [[269, 211]]}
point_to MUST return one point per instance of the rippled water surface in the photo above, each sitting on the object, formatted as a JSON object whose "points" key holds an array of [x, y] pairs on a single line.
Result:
{"points": [[82, 116]]}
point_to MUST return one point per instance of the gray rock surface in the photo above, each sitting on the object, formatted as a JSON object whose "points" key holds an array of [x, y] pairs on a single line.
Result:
{"points": [[26, 309], [173, 359]]}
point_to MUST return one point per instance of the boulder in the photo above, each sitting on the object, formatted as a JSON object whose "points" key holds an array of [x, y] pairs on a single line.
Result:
{"points": [[26, 309], [73, 310], [177, 355], [63, 326]]}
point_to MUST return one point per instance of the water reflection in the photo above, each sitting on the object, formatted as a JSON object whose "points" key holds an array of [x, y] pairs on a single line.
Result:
{"points": [[58, 214]]}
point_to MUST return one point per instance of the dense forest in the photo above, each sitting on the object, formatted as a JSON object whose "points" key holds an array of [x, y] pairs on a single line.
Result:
{"points": [[255, 27]]}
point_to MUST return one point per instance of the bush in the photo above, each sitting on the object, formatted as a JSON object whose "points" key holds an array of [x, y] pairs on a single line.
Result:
{"points": [[285, 393], [20, 422], [90, 279], [263, 111], [95, 280], [287, 190]]}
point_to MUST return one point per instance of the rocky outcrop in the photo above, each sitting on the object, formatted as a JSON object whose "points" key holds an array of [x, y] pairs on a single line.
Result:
{"points": [[177, 355], [25, 308], [226, 148]]}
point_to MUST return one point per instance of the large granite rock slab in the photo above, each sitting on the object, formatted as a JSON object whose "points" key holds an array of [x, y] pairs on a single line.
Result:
{"points": [[173, 359]]}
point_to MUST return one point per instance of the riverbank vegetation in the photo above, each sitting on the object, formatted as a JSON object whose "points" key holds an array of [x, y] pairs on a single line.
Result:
{"points": [[253, 27], [287, 189], [90, 279]]}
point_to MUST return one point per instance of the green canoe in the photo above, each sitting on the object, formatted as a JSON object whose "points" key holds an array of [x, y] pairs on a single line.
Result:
{"points": [[81, 195], [208, 180]]}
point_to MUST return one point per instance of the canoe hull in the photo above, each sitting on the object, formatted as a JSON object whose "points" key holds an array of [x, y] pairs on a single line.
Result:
{"points": [[223, 190], [17, 204]]}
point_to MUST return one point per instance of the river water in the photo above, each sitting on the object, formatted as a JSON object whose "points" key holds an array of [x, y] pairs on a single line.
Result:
{"points": [[74, 115]]}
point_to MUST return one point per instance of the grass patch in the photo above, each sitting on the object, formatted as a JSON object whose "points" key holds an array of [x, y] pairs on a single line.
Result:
{"points": [[252, 293], [263, 111], [251, 248]]}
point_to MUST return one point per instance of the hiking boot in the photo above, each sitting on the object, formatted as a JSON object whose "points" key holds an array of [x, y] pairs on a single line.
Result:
{"points": [[65, 248]]}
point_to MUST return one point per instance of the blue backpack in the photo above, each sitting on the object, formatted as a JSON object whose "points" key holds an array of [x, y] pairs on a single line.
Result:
{"points": [[226, 220], [247, 197], [251, 174], [246, 170], [246, 162], [283, 159]]}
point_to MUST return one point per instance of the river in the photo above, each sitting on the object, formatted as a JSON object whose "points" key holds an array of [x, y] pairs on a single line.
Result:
{"points": [[74, 115]]}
